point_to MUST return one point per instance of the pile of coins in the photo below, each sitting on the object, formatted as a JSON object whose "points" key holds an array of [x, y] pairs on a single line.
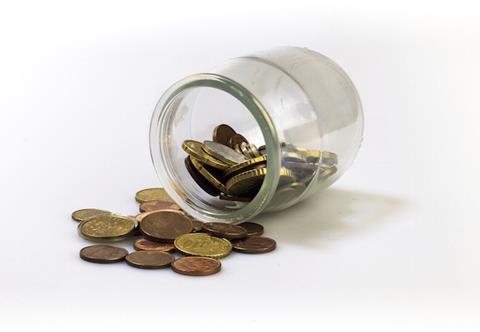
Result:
{"points": [[231, 168], [160, 231]]}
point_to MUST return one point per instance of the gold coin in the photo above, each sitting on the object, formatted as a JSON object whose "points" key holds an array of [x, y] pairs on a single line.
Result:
{"points": [[326, 172], [248, 183], [208, 176], [152, 194], [107, 227], [246, 165], [84, 214], [314, 156], [200, 244], [194, 149], [329, 158]]}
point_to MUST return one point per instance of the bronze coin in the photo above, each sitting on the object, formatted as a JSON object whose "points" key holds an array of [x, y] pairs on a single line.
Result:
{"points": [[165, 225], [149, 259], [197, 225], [200, 180], [196, 266], [254, 245], [236, 140], [222, 134], [101, 253], [250, 164], [252, 228], [158, 205], [227, 231], [147, 245]]}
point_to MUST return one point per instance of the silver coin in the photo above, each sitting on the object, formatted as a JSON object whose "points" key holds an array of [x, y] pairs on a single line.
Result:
{"points": [[223, 152]]}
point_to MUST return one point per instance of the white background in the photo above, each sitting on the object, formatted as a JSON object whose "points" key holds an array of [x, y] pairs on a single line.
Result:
{"points": [[393, 246]]}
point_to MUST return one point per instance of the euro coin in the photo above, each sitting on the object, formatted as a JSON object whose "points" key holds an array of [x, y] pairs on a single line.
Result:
{"points": [[248, 183], [147, 245], [224, 230], [208, 175], [149, 259], [84, 214], [108, 227], [254, 245], [257, 162], [100, 253], [194, 149], [152, 194], [196, 266], [201, 244], [236, 140], [222, 134], [199, 178], [223, 153], [158, 205], [165, 225]]}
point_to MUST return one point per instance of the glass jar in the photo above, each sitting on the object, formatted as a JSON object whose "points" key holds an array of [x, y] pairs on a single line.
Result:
{"points": [[299, 107]]}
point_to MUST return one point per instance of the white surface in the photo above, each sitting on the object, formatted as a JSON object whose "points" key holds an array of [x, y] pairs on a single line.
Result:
{"points": [[393, 246]]}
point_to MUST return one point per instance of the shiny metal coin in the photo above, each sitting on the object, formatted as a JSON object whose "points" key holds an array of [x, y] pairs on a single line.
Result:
{"points": [[194, 149], [223, 153]]}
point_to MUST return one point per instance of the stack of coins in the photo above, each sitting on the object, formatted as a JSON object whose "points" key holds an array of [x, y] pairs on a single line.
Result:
{"points": [[232, 168], [165, 236]]}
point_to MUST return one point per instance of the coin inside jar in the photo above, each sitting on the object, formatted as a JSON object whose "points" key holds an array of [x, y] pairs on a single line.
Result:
{"points": [[149, 259], [209, 176], [247, 165], [194, 149], [227, 231], [223, 152], [165, 225], [254, 245], [248, 183], [236, 140], [222, 134], [196, 266], [200, 179], [101, 253]]}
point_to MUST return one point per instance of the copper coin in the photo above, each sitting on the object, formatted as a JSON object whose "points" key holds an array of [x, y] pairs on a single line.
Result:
{"points": [[149, 259], [147, 245], [254, 245], [165, 225], [84, 214], [227, 231], [196, 266], [235, 140], [222, 134], [197, 225], [158, 205], [252, 228], [101, 253], [199, 179]]}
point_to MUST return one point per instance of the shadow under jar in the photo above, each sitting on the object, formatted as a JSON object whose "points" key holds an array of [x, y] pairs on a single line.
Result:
{"points": [[297, 106]]}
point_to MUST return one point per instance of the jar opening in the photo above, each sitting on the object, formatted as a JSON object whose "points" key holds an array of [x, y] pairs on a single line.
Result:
{"points": [[190, 109]]}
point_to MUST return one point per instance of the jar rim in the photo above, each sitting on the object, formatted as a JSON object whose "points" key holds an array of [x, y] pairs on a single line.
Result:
{"points": [[158, 152]]}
